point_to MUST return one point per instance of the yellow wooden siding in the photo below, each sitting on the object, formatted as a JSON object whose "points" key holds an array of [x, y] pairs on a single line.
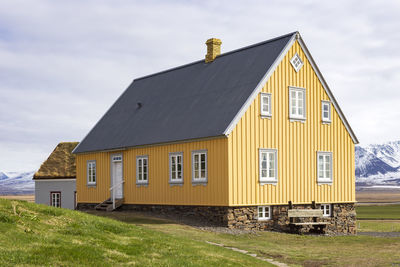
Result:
{"points": [[297, 144], [159, 190]]}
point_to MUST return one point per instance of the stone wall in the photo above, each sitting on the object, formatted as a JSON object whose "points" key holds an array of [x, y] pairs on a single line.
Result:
{"points": [[342, 221]]}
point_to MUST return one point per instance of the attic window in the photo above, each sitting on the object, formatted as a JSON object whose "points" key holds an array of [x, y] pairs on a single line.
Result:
{"points": [[296, 62]]}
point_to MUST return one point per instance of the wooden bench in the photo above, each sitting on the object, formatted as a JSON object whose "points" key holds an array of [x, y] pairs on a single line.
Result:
{"points": [[306, 213]]}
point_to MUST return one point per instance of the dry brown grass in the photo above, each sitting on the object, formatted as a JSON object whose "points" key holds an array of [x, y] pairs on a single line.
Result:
{"points": [[378, 195], [29, 198]]}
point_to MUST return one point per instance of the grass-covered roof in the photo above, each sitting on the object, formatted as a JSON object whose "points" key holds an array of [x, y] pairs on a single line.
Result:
{"points": [[60, 164]]}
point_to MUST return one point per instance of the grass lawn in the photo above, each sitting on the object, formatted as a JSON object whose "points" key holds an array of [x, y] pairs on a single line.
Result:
{"points": [[378, 225], [295, 250], [32, 234], [391, 212]]}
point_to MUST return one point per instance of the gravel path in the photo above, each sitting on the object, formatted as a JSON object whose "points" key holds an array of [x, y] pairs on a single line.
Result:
{"points": [[380, 234]]}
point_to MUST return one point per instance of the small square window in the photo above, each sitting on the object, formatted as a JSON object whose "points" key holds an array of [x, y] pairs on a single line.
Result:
{"points": [[296, 62], [264, 213], [326, 111], [326, 209], [265, 105]]}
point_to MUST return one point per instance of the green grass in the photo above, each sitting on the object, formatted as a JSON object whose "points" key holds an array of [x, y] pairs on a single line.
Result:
{"points": [[378, 226], [295, 250], [32, 234], [387, 212]]}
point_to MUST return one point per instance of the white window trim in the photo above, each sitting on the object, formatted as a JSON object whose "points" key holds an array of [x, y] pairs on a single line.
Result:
{"points": [[264, 181], [59, 199], [323, 103], [323, 208], [142, 182], [292, 62], [267, 114], [91, 183], [264, 209], [202, 181], [295, 117], [325, 180], [176, 181]]}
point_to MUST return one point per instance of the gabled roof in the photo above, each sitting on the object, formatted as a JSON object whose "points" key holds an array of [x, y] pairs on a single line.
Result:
{"points": [[60, 164], [193, 101]]}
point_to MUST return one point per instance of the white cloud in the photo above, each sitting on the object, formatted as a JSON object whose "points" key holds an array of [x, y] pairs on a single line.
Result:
{"points": [[63, 63]]}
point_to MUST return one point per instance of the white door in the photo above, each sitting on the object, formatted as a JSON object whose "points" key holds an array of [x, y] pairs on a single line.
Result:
{"points": [[116, 178]]}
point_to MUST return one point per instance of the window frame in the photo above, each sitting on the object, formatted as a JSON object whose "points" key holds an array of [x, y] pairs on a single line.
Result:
{"points": [[264, 208], [261, 179], [89, 163], [265, 114], [204, 180], [325, 180], [324, 208], [51, 198], [326, 103], [142, 182], [292, 60], [176, 181], [296, 117]]}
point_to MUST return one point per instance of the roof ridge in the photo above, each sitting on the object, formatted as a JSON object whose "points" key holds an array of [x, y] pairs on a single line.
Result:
{"points": [[223, 54]]}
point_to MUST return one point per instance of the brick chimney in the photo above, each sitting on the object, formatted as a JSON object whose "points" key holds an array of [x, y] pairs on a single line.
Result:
{"points": [[213, 49]]}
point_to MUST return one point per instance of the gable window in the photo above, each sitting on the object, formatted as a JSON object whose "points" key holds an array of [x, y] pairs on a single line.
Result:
{"points": [[326, 209], [199, 166], [91, 172], [55, 199], [268, 166], [324, 167], [142, 170], [296, 62], [265, 105], [326, 111], [176, 168], [297, 103], [264, 213]]}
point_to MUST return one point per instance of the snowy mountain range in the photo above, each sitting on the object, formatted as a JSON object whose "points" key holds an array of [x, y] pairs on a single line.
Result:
{"points": [[378, 164], [16, 183]]}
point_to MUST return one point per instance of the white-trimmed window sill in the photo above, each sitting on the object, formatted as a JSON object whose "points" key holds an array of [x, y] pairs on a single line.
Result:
{"points": [[324, 182], [142, 184], [303, 120], [272, 182], [176, 183], [266, 116]]}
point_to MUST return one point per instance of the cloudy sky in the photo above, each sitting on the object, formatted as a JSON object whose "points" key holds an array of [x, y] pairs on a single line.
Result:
{"points": [[63, 63]]}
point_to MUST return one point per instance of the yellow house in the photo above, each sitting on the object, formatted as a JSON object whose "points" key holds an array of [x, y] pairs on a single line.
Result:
{"points": [[233, 138]]}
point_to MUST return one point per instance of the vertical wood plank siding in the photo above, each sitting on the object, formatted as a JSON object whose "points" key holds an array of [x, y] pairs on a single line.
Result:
{"points": [[159, 191], [297, 144]]}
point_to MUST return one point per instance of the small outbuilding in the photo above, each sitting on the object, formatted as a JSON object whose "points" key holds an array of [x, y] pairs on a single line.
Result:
{"points": [[55, 181]]}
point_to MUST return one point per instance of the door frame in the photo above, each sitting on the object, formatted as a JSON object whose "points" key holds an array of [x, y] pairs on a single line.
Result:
{"points": [[112, 168]]}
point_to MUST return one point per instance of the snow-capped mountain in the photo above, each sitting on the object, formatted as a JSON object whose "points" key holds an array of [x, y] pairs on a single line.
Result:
{"points": [[378, 164], [13, 183]]}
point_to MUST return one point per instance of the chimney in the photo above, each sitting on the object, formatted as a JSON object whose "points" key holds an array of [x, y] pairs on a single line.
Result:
{"points": [[213, 49]]}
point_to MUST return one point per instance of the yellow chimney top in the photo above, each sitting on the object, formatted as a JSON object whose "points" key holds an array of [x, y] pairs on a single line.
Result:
{"points": [[213, 49]]}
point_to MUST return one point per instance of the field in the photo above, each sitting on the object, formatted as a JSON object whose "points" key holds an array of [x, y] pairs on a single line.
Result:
{"points": [[29, 198], [33, 234], [377, 195]]}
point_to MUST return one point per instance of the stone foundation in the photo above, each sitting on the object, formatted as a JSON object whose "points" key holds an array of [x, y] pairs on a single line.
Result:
{"points": [[342, 220]]}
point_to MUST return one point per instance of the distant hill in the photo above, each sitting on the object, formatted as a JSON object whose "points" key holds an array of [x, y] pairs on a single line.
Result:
{"points": [[16, 183], [378, 164]]}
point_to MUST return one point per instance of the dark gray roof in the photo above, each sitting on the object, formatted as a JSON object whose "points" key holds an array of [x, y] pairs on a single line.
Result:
{"points": [[192, 101]]}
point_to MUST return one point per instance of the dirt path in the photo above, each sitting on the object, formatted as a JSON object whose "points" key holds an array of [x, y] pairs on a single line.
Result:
{"points": [[276, 263]]}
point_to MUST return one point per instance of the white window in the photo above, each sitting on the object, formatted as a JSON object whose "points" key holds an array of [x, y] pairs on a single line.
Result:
{"points": [[326, 111], [324, 167], [91, 172], [176, 168], [55, 199], [296, 62], [265, 105], [297, 103], [142, 170], [268, 166], [264, 213], [199, 166], [326, 209]]}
